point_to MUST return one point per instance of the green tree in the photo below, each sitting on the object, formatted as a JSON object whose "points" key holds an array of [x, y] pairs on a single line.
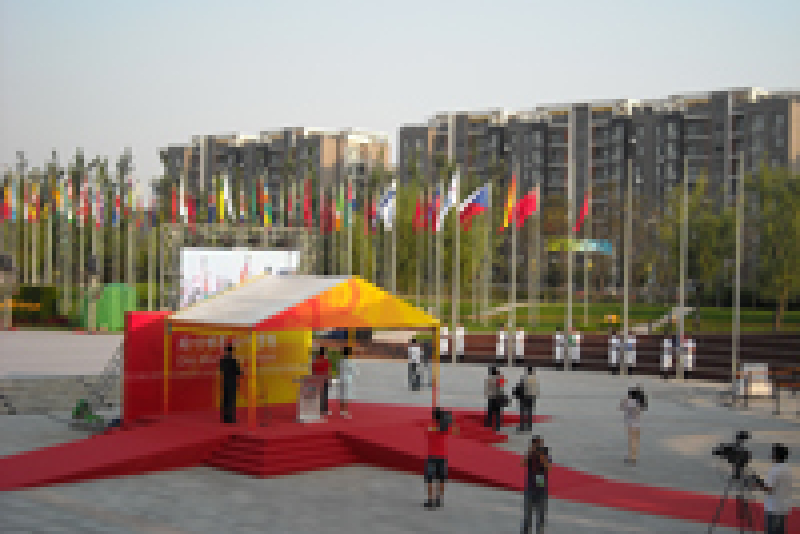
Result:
{"points": [[777, 217]]}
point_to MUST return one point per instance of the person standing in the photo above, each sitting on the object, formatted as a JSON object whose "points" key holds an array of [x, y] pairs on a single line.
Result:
{"points": [[519, 348], [444, 342], [500, 347], [778, 487], [347, 372], [414, 360], [230, 370], [632, 408], [436, 463], [574, 348], [613, 352], [688, 353], [537, 461], [559, 348], [528, 391], [322, 370], [496, 399], [666, 357], [459, 343], [630, 352]]}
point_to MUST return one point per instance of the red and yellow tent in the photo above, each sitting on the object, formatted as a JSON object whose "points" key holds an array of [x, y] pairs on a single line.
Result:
{"points": [[270, 320]]}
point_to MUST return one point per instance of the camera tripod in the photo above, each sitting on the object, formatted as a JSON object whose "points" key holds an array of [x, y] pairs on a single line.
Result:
{"points": [[743, 511]]}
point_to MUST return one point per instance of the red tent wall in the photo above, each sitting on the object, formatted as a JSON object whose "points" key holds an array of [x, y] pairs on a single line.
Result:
{"points": [[144, 364]]}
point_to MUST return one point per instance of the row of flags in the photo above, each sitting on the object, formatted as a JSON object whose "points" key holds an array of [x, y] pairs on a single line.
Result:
{"points": [[336, 207]]}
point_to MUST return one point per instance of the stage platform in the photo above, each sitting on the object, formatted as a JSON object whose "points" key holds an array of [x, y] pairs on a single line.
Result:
{"points": [[383, 435]]}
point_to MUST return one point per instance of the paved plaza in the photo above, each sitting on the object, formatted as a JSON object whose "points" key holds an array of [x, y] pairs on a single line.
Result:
{"points": [[681, 426]]}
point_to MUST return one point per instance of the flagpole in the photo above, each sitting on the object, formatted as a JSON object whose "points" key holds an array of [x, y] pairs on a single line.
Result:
{"points": [[35, 230], [737, 313], [487, 279], [129, 271], [587, 223], [628, 239], [456, 296], [512, 314], [538, 264], [416, 239], [571, 223], [438, 252], [349, 225], [395, 204], [151, 256], [684, 235]]}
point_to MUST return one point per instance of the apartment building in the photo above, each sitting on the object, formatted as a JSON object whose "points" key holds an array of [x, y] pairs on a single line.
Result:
{"points": [[332, 155], [657, 141]]}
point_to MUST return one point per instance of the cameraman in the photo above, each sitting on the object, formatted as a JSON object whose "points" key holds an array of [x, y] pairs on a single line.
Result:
{"points": [[778, 485]]}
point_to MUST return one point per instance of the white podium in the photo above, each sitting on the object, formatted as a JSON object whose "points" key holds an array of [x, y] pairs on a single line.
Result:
{"points": [[308, 398]]}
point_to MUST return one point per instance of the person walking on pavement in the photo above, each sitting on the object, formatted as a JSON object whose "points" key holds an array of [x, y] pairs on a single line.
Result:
{"points": [[496, 399], [631, 406], [527, 391], [436, 463], [347, 372], [537, 461], [414, 361], [230, 370]]}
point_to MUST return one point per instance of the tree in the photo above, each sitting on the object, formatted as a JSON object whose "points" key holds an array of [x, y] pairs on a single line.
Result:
{"points": [[778, 220]]}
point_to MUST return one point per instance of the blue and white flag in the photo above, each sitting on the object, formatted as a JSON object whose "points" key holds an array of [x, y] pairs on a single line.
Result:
{"points": [[386, 205], [448, 202]]}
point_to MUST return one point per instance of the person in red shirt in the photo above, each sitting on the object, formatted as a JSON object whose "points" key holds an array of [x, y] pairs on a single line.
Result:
{"points": [[436, 464], [322, 368]]}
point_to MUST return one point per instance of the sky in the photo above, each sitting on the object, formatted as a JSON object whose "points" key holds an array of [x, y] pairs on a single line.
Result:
{"points": [[105, 75]]}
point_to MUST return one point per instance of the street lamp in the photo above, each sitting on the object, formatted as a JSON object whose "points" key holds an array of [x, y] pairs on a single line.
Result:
{"points": [[628, 240], [9, 277]]}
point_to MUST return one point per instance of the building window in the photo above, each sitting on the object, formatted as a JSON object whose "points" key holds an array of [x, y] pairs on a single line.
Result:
{"points": [[779, 120], [537, 138], [640, 132], [776, 163], [640, 149], [758, 123], [779, 141], [671, 151], [619, 132], [617, 153], [672, 130]]}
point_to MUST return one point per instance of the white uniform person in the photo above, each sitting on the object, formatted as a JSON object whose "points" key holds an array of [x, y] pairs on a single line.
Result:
{"points": [[575, 348], [458, 349], [347, 372], [500, 348], [666, 357], [414, 360], [559, 347], [613, 352], [519, 348], [630, 352]]}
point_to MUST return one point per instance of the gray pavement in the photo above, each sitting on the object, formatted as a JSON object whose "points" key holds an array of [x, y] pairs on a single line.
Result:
{"points": [[586, 433]]}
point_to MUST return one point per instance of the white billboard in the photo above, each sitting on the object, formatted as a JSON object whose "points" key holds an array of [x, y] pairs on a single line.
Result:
{"points": [[206, 271]]}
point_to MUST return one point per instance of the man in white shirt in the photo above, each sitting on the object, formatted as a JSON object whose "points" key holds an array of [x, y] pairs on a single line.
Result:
{"points": [[414, 359], [688, 354], [778, 486], [500, 348], [575, 348], [630, 352], [519, 345], [444, 342], [666, 357], [559, 348], [613, 352], [459, 342]]}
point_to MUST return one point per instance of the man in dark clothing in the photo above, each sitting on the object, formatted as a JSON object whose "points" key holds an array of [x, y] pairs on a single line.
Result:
{"points": [[229, 368], [538, 463]]}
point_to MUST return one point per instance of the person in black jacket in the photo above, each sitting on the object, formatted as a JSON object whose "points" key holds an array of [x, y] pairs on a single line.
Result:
{"points": [[229, 368]]}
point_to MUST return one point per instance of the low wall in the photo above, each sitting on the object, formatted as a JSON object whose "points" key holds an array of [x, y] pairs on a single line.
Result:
{"points": [[41, 395]]}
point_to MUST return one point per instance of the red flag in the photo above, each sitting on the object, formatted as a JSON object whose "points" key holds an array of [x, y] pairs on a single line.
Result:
{"points": [[584, 211], [192, 209], [524, 208], [417, 225], [307, 205]]}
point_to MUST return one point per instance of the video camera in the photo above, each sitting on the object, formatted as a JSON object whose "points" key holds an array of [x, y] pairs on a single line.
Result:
{"points": [[735, 453]]}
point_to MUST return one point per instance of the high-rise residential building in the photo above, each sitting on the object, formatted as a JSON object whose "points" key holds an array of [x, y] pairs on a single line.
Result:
{"points": [[331, 155], [659, 140]]}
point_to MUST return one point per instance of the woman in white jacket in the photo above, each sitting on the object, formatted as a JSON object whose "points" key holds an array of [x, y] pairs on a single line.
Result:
{"points": [[347, 372]]}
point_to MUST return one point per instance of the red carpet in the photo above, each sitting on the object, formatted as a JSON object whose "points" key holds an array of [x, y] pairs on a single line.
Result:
{"points": [[388, 436]]}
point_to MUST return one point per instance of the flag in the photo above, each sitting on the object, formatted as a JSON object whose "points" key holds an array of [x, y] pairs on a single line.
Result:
{"points": [[221, 196], [340, 209], [584, 211], [476, 203], [525, 207], [512, 196], [4, 210], [256, 194], [228, 199], [387, 204], [13, 204], [267, 206], [117, 210], [307, 215], [449, 201], [351, 206], [212, 207], [183, 203], [416, 225]]}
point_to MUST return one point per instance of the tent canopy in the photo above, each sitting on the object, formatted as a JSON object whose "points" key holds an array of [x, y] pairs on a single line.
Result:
{"points": [[278, 302]]}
